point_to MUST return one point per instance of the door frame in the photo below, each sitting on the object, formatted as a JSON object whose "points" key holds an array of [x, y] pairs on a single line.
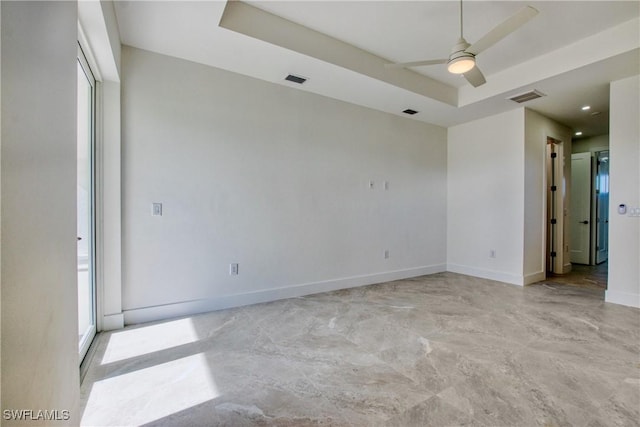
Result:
{"points": [[554, 234], [595, 205]]}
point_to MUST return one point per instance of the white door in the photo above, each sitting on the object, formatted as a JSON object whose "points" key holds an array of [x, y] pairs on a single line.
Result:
{"points": [[580, 207], [602, 207]]}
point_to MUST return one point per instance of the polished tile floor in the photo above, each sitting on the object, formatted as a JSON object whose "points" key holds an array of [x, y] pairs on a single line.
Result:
{"points": [[438, 350]]}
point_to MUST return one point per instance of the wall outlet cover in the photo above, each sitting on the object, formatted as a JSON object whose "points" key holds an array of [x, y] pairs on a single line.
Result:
{"points": [[156, 209]]}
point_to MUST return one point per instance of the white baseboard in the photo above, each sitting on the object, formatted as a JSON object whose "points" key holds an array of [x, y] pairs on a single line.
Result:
{"points": [[622, 298], [112, 321], [534, 277], [486, 274], [167, 311]]}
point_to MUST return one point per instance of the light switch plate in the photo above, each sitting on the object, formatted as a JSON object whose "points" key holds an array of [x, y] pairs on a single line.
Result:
{"points": [[234, 269]]}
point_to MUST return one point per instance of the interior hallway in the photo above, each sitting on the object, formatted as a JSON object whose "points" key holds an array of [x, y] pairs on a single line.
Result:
{"points": [[444, 349], [585, 276]]}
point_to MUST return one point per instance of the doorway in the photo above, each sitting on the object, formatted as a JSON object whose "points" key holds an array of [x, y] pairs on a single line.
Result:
{"points": [[602, 207], [590, 207], [590, 215], [86, 204]]}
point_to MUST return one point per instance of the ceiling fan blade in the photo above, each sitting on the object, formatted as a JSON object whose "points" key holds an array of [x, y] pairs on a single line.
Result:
{"points": [[417, 63], [475, 77], [503, 30]]}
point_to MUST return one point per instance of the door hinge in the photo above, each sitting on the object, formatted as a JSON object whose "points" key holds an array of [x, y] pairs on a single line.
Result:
{"points": [[554, 221], [554, 188], [553, 254], [554, 155]]}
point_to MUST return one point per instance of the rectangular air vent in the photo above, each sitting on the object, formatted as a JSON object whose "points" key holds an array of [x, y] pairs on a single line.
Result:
{"points": [[527, 96], [295, 79], [410, 111]]}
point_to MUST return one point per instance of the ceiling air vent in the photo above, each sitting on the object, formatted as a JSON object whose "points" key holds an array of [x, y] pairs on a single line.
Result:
{"points": [[295, 79], [527, 96], [410, 112]]}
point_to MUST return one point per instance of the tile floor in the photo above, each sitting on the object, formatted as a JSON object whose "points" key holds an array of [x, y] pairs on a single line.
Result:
{"points": [[439, 350]]}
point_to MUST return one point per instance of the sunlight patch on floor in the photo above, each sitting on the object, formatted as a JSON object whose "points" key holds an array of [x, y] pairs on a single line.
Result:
{"points": [[149, 339], [149, 394]]}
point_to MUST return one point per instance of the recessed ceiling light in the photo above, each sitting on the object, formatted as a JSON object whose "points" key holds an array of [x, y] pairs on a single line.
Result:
{"points": [[586, 107], [578, 133]]}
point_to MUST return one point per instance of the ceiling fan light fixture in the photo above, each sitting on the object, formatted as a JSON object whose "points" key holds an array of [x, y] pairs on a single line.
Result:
{"points": [[462, 60], [461, 64]]}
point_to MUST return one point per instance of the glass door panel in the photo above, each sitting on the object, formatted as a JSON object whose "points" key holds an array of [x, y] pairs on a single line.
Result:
{"points": [[85, 203], [602, 207]]}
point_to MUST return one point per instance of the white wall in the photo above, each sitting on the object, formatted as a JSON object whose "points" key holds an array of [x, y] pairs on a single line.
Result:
{"points": [[624, 231], [98, 23], [537, 129], [0, 209], [591, 144], [485, 197], [113, 33], [110, 209], [100, 40], [39, 279], [270, 177]]}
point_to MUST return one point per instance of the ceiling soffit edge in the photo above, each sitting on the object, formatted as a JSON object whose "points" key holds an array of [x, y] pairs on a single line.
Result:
{"points": [[253, 22]]}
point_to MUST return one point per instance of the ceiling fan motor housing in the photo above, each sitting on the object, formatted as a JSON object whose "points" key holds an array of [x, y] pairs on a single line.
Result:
{"points": [[460, 61], [459, 50]]}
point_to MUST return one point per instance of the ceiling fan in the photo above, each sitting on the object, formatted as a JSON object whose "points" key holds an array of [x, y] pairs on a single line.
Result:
{"points": [[462, 59]]}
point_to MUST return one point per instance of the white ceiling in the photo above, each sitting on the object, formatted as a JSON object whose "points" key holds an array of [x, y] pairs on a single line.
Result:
{"points": [[570, 51]]}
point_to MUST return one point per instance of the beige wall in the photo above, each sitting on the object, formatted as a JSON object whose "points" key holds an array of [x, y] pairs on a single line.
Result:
{"points": [[273, 178], [537, 129], [100, 38], [39, 281], [0, 210], [624, 230], [496, 196], [485, 197], [592, 144]]}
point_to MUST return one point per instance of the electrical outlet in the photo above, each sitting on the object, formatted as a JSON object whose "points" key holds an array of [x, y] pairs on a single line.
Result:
{"points": [[156, 209], [233, 269], [492, 253], [386, 254]]}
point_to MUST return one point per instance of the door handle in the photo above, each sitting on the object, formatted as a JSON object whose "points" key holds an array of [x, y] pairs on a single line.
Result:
{"points": [[584, 222]]}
